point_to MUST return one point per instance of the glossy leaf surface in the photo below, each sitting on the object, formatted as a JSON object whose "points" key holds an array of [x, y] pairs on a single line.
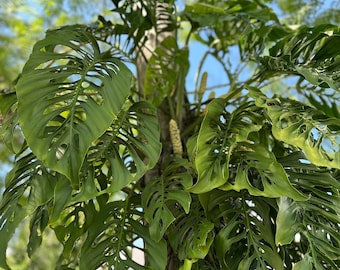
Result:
{"points": [[163, 195], [76, 91]]}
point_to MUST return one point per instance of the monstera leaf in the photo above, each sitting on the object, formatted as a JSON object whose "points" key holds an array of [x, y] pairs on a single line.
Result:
{"points": [[163, 194], [107, 233], [129, 148], [167, 63], [68, 95], [11, 211], [304, 127], [245, 237], [28, 186], [218, 136], [315, 52], [261, 174], [316, 220], [224, 140], [192, 235]]}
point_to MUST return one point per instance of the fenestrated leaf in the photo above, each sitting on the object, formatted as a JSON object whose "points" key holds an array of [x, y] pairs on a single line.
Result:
{"points": [[9, 222], [259, 172], [218, 136], [129, 148], [38, 223], [310, 52], [329, 49], [107, 232], [245, 237], [68, 95], [319, 78], [163, 194], [13, 207], [304, 127], [42, 186], [192, 235], [317, 219], [167, 63]]}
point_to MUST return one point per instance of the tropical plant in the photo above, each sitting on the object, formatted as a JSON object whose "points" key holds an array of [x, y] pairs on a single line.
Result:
{"points": [[115, 162]]}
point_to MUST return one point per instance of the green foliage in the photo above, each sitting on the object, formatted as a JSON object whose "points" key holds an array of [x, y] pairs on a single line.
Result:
{"points": [[192, 242], [165, 193], [306, 128], [257, 185], [247, 231], [107, 230], [172, 61], [73, 88]]}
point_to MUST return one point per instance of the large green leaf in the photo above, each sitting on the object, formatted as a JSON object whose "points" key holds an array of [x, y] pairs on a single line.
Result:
{"points": [[225, 143], [259, 172], [69, 94], [129, 148], [107, 233], [244, 227], [192, 235], [304, 127], [312, 53], [13, 207], [163, 194], [218, 136], [317, 219]]}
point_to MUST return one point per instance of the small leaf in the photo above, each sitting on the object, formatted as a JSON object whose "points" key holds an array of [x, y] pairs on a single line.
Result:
{"points": [[163, 194], [191, 242], [163, 70], [6, 102], [304, 264], [62, 195], [286, 222]]}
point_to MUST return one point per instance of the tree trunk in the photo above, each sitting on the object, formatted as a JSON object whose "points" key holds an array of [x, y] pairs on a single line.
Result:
{"points": [[154, 37]]}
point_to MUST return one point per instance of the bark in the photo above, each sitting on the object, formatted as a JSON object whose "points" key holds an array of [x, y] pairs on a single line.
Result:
{"points": [[153, 38]]}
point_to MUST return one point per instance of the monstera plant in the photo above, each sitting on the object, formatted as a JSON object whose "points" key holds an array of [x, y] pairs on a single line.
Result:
{"points": [[242, 177]]}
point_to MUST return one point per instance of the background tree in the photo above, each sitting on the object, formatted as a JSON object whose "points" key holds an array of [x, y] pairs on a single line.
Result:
{"points": [[246, 180]]}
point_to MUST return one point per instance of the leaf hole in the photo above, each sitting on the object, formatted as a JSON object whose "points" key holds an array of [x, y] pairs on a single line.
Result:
{"points": [[93, 80], [61, 150], [94, 95], [283, 123], [80, 114], [255, 180], [302, 129]]}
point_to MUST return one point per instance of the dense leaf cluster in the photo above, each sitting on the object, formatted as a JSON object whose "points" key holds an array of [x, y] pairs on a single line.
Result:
{"points": [[257, 185]]}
